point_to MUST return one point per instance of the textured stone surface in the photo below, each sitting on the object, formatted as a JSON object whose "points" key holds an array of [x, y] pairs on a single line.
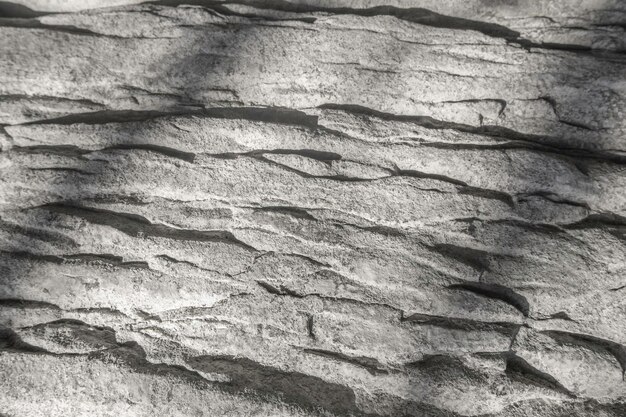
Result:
{"points": [[377, 208]]}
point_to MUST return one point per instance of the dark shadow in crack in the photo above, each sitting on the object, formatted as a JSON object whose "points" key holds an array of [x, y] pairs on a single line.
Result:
{"points": [[9, 10]]}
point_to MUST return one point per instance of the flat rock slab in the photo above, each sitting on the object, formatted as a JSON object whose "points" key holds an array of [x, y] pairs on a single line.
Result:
{"points": [[313, 208]]}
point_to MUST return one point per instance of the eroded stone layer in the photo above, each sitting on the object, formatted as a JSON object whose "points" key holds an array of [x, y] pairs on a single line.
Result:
{"points": [[313, 208]]}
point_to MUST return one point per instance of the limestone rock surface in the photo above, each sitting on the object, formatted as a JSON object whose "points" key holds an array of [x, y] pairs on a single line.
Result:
{"points": [[313, 208]]}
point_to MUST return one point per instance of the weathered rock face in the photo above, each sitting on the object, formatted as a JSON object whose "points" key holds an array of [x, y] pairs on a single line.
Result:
{"points": [[377, 208]]}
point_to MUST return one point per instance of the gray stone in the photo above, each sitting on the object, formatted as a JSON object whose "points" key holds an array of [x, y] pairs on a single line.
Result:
{"points": [[299, 208]]}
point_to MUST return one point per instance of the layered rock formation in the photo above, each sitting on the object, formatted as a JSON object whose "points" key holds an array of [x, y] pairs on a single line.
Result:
{"points": [[381, 208]]}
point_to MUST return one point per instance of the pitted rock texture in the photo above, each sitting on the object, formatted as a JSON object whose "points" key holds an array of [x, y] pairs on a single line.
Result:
{"points": [[313, 208]]}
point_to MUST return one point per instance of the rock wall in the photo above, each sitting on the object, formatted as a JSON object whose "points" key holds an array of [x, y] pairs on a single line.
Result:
{"points": [[313, 208]]}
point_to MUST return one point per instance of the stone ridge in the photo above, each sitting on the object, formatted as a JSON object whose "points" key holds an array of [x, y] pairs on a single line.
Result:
{"points": [[301, 208], [557, 24]]}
